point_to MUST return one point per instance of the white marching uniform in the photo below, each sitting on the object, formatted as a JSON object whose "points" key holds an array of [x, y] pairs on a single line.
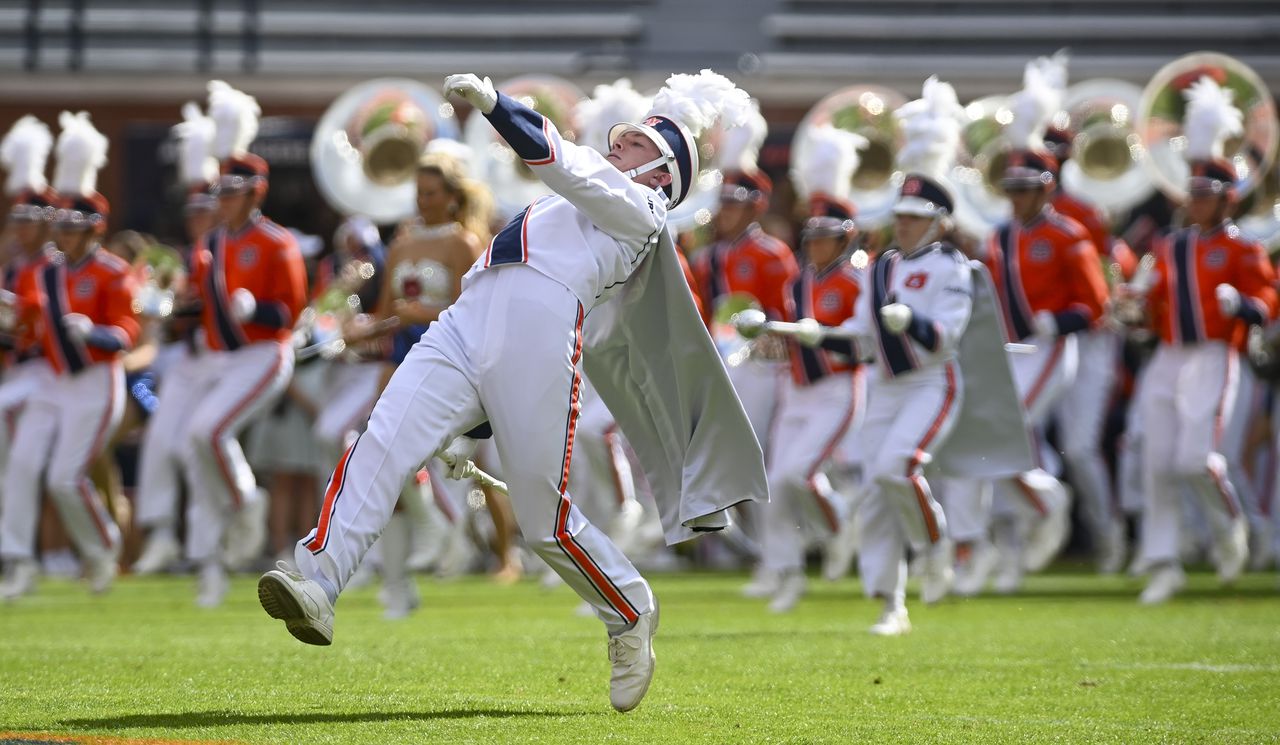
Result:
{"points": [[20, 383], [160, 460], [1081, 417], [918, 392], [508, 351]]}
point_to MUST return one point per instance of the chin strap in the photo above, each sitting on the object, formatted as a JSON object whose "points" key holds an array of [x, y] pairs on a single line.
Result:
{"points": [[657, 162]]}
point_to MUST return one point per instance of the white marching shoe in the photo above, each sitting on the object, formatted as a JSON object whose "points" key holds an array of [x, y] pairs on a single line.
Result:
{"points": [[939, 572], [160, 553], [301, 603], [1050, 531], [212, 586], [100, 573], [791, 587], [20, 579], [972, 575], [247, 533], [1113, 544], [1232, 551], [893, 622], [632, 659], [1165, 582], [764, 584], [841, 551]]}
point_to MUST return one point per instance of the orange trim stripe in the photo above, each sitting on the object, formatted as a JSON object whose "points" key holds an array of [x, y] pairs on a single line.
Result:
{"points": [[1045, 373], [336, 482], [823, 504], [226, 422], [917, 481], [99, 440]]}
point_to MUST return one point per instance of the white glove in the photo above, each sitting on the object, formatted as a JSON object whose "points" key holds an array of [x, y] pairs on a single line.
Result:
{"points": [[1228, 300], [749, 323], [479, 93], [457, 455], [810, 332], [78, 325], [1045, 324], [896, 317], [243, 304]]}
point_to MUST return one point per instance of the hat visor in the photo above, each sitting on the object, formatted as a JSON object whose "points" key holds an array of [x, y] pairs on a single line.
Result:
{"points": [[917, 207], [660, 142]]}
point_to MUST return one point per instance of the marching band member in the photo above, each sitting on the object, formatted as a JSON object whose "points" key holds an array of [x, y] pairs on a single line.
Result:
{"points": [[1211, 285], [82, 298], [160, 466], [824, 398], [252, 287]]}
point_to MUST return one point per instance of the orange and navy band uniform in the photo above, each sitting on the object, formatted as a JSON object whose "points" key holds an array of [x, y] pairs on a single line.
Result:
{"points": [[895, 348], [828, 295], [755, 264]]}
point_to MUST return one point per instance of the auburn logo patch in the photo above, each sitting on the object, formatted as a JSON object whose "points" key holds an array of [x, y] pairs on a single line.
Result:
{"points": [[1216, 259], [1041, 251], [916, 281], [829, 301], [85, 287]]}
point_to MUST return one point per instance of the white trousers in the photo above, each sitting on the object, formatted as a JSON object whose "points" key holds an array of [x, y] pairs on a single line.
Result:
{"points": [[601, 480], [164, 444], [65, 425], [508, 350], [908, 418], [1081, 416], [1249, 403], [20, 382], [350, 394], [811, 423], [235, 389], [1187, 394]]}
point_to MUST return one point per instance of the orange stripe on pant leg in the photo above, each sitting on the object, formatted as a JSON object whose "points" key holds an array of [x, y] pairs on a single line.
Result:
{"points": [[829, 450], [230, 417], [99, 442], [917, 481], [336, 482], [930, 520], [582, 560], [1043, 378], [1030, 494]]}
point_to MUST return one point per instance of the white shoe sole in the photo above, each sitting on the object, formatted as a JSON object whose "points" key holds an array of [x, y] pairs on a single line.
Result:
{"points": [[280, 600]]}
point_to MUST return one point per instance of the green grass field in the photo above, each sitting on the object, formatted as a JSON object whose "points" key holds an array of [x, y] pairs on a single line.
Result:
{"points": [[1073, 659]]}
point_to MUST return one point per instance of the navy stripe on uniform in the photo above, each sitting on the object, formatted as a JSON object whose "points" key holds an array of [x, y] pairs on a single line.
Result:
{"points": [[814, 370], [893, 346], [53, 279], [1008, 248], [1185, 264], [223, 323], [507, 247]]}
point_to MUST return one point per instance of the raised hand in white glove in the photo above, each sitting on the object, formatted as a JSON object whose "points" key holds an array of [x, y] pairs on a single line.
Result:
{"points": [[77, 325], [243, 304], [749, 323], [810, 333], [457, 455], [479, 93], [1045, 324], [896, 317], [1228, 299]]}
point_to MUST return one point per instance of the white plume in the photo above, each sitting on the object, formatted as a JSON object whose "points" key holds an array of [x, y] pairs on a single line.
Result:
{"points": [[1211, 118], [609, 105], [81, 150], [236, 115], [827, 159], [740, 145], [931, 128], [1044, 86], [196, 164], [452, 148], [23, 153], [696, 101]]}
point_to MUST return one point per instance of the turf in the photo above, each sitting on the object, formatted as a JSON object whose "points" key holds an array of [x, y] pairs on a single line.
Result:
{"points": [[1073, 659]]}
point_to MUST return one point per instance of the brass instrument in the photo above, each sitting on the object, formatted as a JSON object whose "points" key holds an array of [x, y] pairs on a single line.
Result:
{"points": [[1107, 155], [980, 203]]}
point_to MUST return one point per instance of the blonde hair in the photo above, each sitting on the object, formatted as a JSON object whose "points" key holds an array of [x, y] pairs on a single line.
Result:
{"points": [[475, 204]]}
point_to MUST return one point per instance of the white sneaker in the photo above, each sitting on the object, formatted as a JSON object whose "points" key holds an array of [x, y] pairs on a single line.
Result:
{"points": [[791, 588], [1113, 545], [631, 654], [301, 603], [764, 584], [939, 572], [1232, 552], [399, 598], [893, 622], [20, 579], [247, 533], [100, 573], [841, 550], [972, 576], [1050, 531], [212, 585], [160, 553], [1261, 553], [1165, 581], [1009, 577]]}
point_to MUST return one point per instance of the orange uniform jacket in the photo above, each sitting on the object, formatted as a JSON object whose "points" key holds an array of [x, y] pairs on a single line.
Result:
{"points": [[262, 258], [100, 286], [1189, 267], [1049, 264], [19, 278], [1109, 248], [755, 263], [829, 296]]}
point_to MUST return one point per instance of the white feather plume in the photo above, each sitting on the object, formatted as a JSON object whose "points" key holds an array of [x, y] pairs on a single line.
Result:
{"points": [[696, 101], [609, 105], [236, 115], [196, 164], [81, 151], [740, 144], [1044, 85], [931, 128], [23, 153], [827, 161], [1210, 120]]}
